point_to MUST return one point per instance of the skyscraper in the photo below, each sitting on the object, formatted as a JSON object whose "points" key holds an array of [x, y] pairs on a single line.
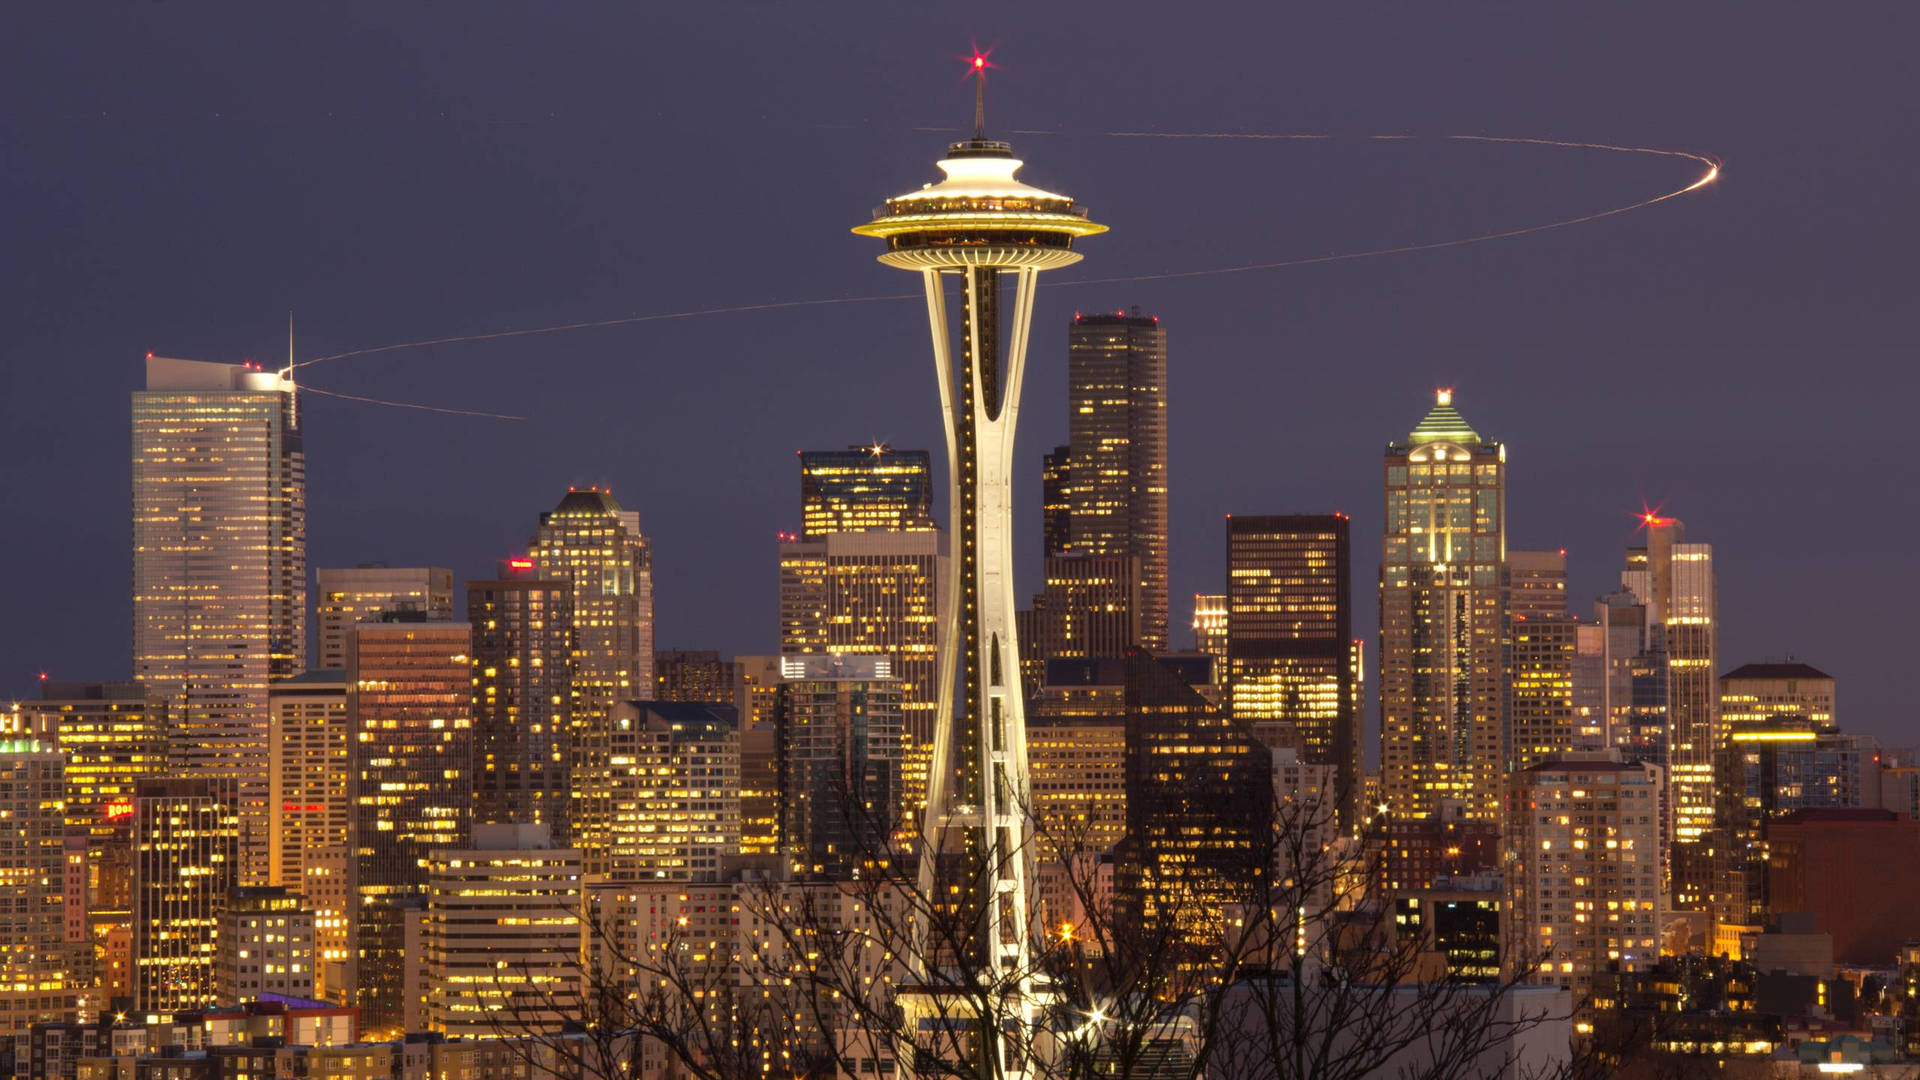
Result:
{"points": [[356, 594], [674, 782], [1542, 652], [1442, 684], [1090, 607], [1785, 688], [1056, 500], [698, 675], [1675, 580], [977, 226], [865, 489], [37, 977], [1765, 769], [111, 735], [502, 934], [523, 699], [839, 748], [219, 567], [1199, 806], [1290, 641], [590, 541], [312, 820], [1117, 428], [186, 842], [871, 594], [410, 697]]}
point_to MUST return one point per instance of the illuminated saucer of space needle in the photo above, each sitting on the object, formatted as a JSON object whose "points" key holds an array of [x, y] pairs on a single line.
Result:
{"points": [[979, 215]]}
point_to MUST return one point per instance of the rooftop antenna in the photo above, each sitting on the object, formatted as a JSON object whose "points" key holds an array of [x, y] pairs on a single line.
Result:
{"points": [[288, 374], [979, 96]]}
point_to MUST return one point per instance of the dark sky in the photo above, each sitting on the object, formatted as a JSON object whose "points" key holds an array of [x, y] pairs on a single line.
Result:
{"points": [[176, 176]]}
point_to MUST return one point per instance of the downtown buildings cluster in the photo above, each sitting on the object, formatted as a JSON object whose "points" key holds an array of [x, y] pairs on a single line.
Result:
{"points": [[461, 798]]}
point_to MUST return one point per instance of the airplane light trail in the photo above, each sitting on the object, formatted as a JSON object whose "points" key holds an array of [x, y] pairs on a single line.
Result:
{"points": [[407, 404], [1711, 174]]}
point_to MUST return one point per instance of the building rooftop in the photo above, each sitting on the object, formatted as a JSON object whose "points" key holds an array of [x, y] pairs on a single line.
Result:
{"points": [[1792, 669], [1443, 424], [587, 500]]}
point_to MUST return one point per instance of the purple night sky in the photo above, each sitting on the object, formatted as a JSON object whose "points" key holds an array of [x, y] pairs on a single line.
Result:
{"points": [[176, 177]]}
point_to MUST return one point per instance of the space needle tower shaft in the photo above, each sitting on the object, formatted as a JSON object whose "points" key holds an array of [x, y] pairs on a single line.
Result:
{"points": [[984, 236]]}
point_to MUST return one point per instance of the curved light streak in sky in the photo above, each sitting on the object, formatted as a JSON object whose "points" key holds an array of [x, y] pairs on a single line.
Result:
{"points": [[1711, 174], [408, 404]]}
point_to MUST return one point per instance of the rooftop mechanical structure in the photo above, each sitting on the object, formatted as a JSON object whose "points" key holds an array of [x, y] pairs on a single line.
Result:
{"points": [[975, 1000]]}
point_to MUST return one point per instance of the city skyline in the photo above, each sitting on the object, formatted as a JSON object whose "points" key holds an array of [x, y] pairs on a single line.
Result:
{"points": [[1451, 759], [1285, 368], [1249, 382]]}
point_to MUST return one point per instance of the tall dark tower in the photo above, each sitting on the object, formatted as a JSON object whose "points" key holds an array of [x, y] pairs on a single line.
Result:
{"points": [[1117, 427], [980, 229], [1290, 641]]}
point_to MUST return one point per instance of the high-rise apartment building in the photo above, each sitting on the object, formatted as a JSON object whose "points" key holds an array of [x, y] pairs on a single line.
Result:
{"points": [[1788, 688], [186, 843], [111, 735], [1542, 653], [865, 489], [1290, 641], [410, 699], [501, 934], [219, 567], [675, 784], [38, 982], [1056, 500], [1583, 882], [266, 946], [1675, 581], [523, 698], [345, 596], [1442, 673], [839, 747], [1117, 437], [871, 594], [590, 541], [311, 746]]}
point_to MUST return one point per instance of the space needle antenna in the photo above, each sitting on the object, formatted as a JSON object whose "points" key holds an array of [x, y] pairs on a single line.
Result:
{"points": [[979, 97]]}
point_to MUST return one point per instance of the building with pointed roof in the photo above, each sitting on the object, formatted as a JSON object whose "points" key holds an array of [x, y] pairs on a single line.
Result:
{"points": [[590, 541], [1442, 615]]}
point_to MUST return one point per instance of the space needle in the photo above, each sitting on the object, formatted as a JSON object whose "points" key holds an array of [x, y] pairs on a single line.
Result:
{"points": [[973, 992]]}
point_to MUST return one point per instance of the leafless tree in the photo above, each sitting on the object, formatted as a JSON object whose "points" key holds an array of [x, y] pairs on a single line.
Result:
{"points": [[1286, 965]]}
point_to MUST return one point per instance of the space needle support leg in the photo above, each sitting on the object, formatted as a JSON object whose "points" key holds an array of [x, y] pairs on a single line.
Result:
{"points": [[938, 779]]}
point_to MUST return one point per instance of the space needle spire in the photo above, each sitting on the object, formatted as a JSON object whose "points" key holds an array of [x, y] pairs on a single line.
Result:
{"points": [[974, 1000]]}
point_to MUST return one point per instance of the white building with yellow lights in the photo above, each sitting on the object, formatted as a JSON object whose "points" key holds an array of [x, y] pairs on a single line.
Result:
{"points": [[1582, 871]]}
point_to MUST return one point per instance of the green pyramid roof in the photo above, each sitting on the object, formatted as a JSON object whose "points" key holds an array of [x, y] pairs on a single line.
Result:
{"points": [[1443, 424]]}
